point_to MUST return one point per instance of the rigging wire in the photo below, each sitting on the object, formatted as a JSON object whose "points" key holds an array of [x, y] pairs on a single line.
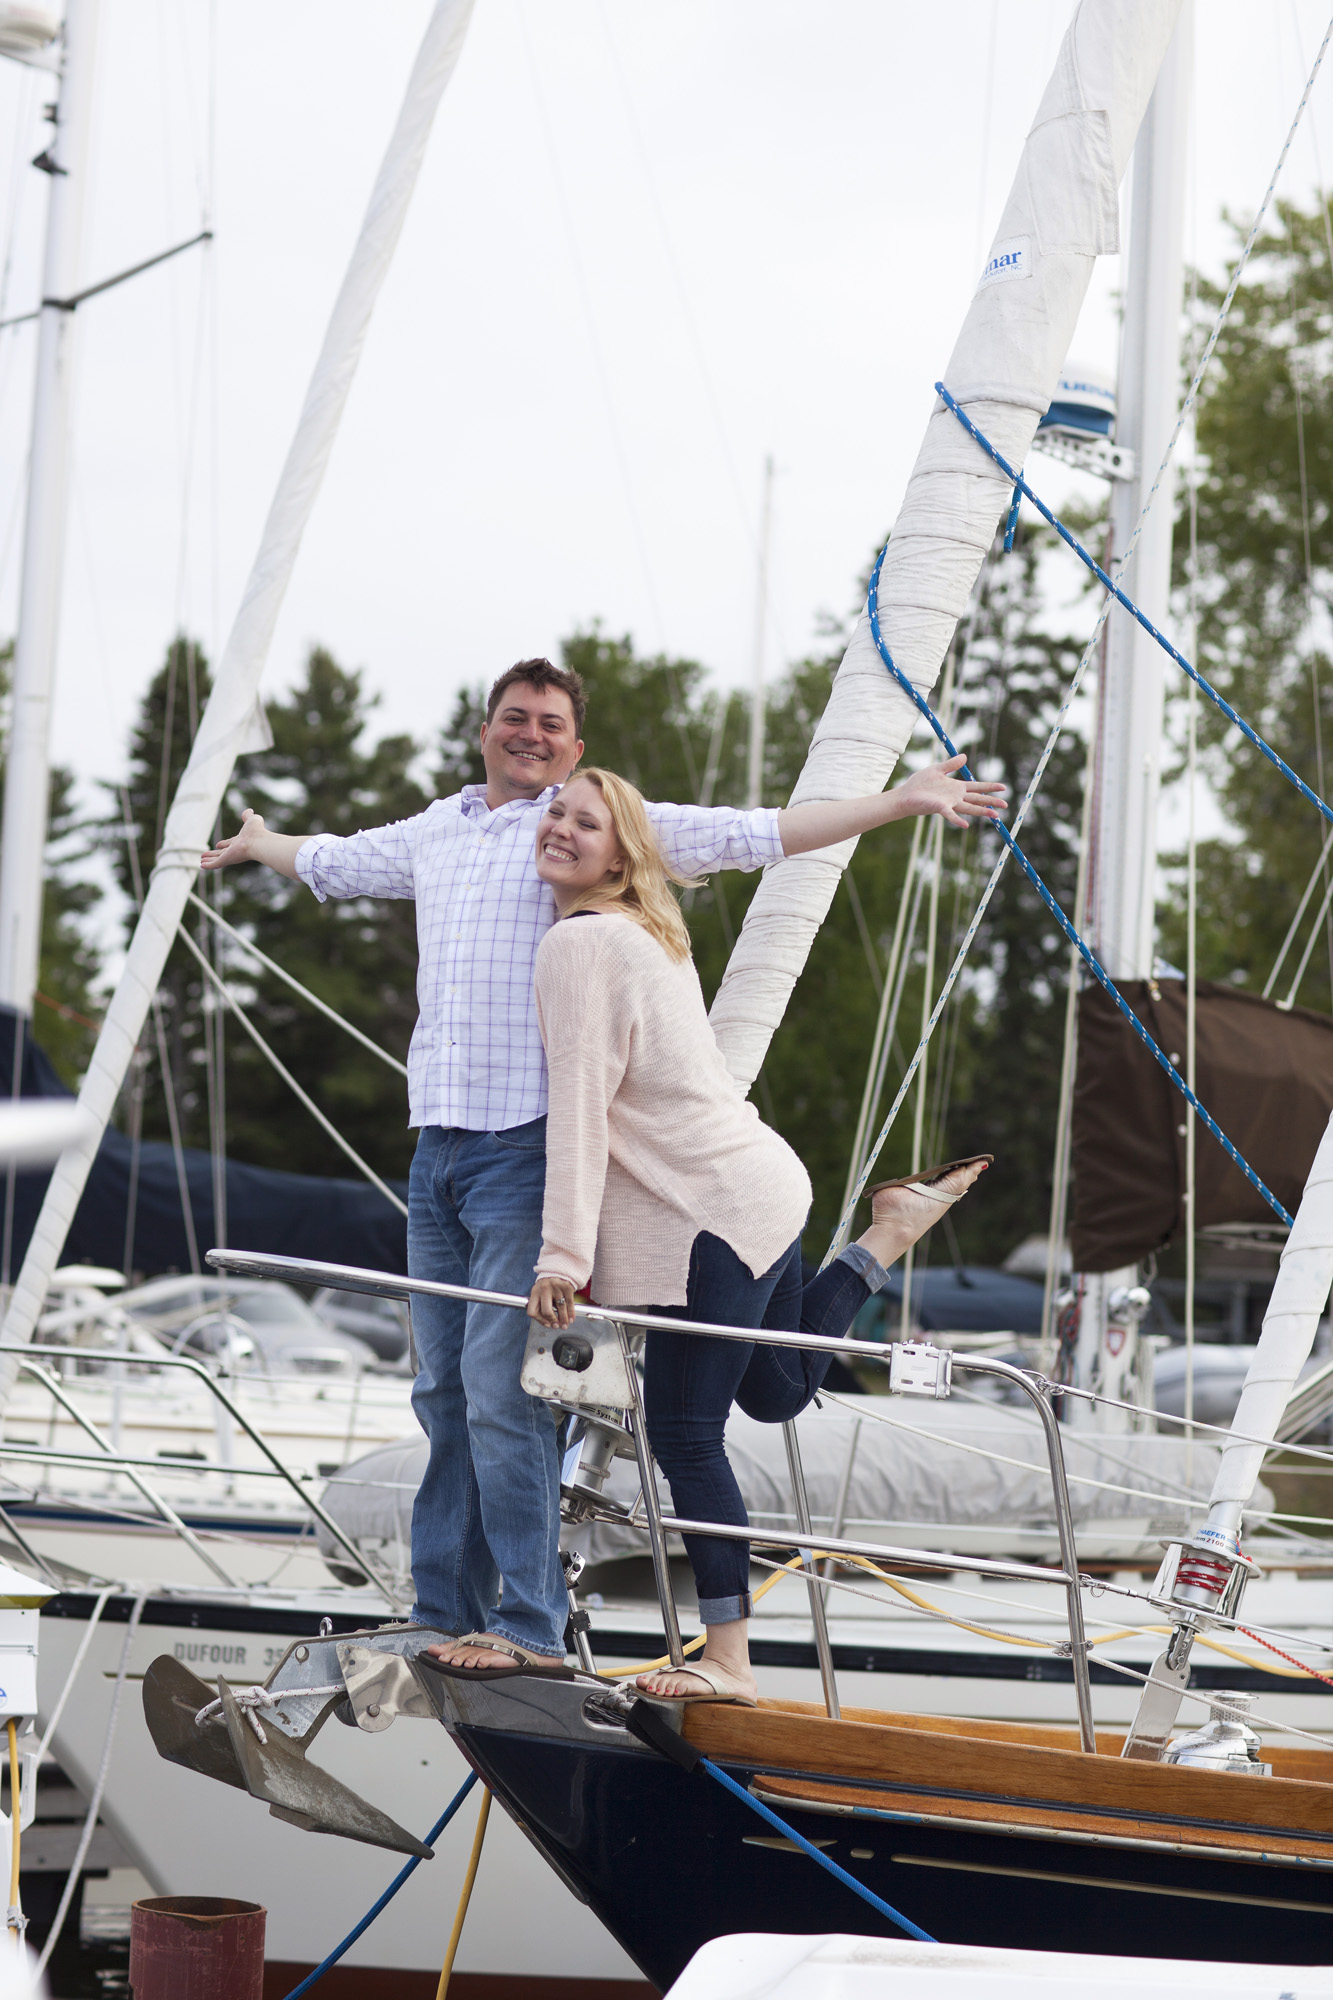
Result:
{"points": [[271, 965], [252, 1031], [1057, 727], [1316, 873], [687, 312]]}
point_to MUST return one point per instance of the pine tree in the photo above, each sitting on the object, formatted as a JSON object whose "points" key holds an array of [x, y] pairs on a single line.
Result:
{"points": [[66, 1005], [1265, 434], [322, 775]]}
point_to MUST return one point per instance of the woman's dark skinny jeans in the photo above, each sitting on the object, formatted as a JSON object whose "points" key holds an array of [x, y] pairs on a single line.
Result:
{"points": [[691, 1382]]}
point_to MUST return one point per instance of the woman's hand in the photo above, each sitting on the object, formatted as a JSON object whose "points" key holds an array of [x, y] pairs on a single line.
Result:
{"points": [[936, 790], [552, 1302], [825, 822]]}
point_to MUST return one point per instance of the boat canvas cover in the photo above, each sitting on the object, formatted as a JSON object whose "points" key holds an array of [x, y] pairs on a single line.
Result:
{"points": [[1264, 1072], [906, 1474], [292, 1215]]}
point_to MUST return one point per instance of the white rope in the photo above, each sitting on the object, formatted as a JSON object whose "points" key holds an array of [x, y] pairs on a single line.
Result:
{"points": [[250, 1700], [73, 1673], [271, 965], [287, 1077], [94, 1804], [1077, 681]]}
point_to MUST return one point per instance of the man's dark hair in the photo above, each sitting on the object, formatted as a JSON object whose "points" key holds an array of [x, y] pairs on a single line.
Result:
{"points": [[541, 674]]}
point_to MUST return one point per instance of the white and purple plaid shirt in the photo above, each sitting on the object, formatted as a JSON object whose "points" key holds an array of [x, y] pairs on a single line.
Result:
{"points": [[476, 1058]]}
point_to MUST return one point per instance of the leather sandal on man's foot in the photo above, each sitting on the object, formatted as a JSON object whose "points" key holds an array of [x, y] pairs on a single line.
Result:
{"points": [[524, 1659], [925, 1183]]}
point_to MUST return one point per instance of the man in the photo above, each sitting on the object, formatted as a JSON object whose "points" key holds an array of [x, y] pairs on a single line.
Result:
{"points": [[477, 1090], [485, 1559]]}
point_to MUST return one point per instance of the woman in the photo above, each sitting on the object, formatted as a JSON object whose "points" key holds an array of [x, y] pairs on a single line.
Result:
{"points": [[664, 1188]]}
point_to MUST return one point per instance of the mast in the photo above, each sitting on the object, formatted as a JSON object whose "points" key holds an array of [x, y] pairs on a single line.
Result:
{"points": [[754, 772], [1062, 213], [233, 720], [27, 773], [1133, 685]]}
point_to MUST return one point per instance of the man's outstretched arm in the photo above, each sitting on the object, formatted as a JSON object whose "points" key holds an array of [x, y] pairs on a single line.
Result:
{"points": [[254, 842]]}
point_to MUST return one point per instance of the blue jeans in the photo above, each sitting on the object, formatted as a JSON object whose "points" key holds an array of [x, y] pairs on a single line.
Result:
{"points": [[690, 1383], [485, 1526]]}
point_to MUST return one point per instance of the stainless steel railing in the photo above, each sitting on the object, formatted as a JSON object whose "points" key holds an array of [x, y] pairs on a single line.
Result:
{"points": [[303, 1271], [109, 1460]]}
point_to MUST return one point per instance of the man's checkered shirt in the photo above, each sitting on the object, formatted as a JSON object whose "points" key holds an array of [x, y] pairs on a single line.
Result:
{"points": [[476, 1058]]}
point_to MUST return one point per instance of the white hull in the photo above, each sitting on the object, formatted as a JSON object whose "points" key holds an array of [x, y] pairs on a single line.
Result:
{"points": [[191, 1836]]}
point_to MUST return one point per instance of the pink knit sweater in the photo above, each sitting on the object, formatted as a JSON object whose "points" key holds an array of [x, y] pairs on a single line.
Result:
{"points": [[648, 1138]]}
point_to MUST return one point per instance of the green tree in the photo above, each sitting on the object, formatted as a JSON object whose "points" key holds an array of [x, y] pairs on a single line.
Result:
{"points": [[64, 1022], [324, 774], [1264, 583], [158, 751]]}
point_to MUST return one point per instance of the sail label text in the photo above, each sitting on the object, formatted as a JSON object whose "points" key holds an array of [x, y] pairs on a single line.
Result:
{"points": [[1008, 261]]}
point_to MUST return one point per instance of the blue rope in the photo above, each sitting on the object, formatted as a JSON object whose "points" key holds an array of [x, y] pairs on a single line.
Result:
{"points": [[389, 1894], [808, 1847], [1011, 522], [1022, 489], [1094, 966]]}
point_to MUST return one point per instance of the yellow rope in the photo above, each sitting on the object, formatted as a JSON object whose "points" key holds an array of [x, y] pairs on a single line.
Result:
{"points": [[695, 1645], [982, 1631], [447, 1969], [14, 1795]]}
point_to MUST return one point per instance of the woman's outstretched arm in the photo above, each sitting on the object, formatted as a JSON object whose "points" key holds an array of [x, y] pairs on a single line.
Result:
{"points": [[935, 790]]}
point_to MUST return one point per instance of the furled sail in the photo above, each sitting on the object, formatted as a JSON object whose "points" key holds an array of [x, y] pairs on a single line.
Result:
{"points": [[1300, 1298], [233, 720], [1062, 213]]}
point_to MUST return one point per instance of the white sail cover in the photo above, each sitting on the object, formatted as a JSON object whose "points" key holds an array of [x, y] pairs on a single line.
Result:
{"points": [[967, 1478], [1300, 1298], [233, 721], [1062, 213]]}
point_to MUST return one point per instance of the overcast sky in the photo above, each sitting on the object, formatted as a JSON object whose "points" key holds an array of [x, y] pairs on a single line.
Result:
{"points": [[651, 244]]}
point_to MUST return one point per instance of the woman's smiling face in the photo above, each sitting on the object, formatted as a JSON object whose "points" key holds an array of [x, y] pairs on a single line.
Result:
{"points": [[576, 841]]}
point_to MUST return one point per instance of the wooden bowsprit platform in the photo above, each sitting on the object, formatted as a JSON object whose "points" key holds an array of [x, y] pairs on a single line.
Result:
{"points": [[988, 1834]]}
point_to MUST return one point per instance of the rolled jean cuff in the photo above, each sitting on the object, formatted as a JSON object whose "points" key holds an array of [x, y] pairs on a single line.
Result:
{"points": [[867, 1268], [726, 1610]]}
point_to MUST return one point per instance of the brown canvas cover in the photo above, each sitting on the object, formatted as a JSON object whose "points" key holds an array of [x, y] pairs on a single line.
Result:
{"points": [[1264, 1073]]}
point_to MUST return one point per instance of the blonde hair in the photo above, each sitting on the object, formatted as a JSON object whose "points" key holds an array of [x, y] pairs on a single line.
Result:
{"points": [[642, 890]]}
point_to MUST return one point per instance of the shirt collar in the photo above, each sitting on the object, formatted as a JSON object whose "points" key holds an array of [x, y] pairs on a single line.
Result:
{"points": [[474, 805]]}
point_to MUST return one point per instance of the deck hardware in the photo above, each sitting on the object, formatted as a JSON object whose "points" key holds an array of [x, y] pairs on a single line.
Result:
{"points": [[918, 1369], [572, 1351], [1225, 1743], [1199, 1584]]}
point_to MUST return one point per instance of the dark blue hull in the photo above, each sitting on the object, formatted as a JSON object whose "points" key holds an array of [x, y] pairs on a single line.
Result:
{"points": [[668, 1860]]}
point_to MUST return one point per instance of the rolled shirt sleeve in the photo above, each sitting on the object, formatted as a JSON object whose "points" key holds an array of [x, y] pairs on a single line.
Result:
{"points": [[700, 839], [375, 863]]}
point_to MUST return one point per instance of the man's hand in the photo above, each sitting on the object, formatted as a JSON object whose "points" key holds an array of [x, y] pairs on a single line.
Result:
{"points": [[254, 842], [936, 790], [552, 1302]]}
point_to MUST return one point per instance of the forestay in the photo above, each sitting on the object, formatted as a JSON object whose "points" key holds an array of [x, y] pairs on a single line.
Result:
{"points": [[1062, 213]]}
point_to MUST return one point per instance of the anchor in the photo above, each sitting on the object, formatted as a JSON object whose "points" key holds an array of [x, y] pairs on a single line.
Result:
{"points": [[257, 1738]]}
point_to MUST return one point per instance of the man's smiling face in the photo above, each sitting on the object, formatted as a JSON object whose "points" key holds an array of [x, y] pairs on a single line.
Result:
{"points": [[529, 743]]}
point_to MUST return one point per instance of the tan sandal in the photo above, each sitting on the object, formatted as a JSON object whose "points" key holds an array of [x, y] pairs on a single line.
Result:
{"points": [[720, 1685], [924, 1183]]}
